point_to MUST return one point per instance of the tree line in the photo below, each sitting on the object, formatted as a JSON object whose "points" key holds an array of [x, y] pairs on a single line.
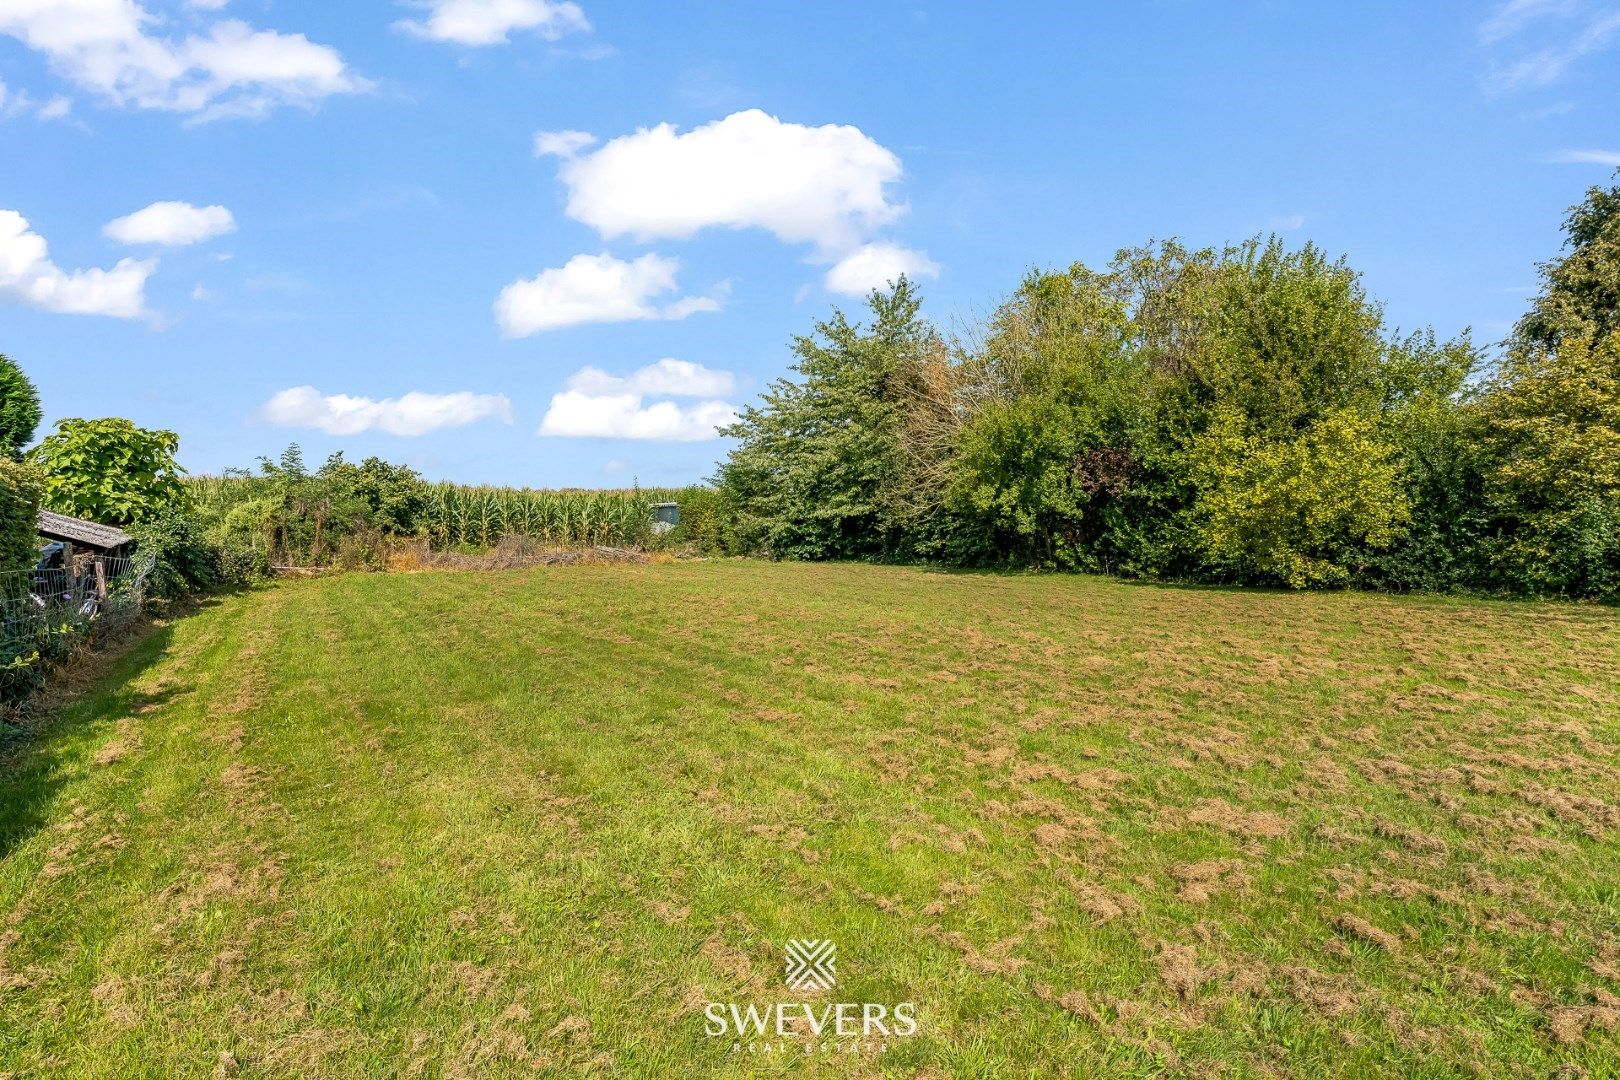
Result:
{"points": [[1234, 415]]}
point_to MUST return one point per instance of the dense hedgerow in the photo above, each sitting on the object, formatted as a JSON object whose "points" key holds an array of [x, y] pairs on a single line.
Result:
{"points": [[1235, 415]]}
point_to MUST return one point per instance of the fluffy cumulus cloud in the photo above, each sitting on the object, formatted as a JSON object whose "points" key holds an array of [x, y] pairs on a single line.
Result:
{"points": [[171, 224], [826, 186], [27, 272], [874, 266], [488, 22], [595, 404], [666, 378], [117, 49], [414, 413], [595, 289]]}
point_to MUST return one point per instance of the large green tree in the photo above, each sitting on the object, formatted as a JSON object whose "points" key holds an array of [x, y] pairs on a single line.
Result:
{"points": [[819, 458], [109, 470], [1550, 421], [1580, 296], [19, 409]]}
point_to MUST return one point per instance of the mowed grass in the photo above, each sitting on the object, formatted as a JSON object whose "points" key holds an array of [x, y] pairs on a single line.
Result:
{"points": [[529, 823]]}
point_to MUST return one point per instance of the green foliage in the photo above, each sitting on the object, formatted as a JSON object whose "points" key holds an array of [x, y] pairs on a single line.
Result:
{"points": [[109, 470], [1437, 441], [349, 515], [1552, 436], [189, 558], [476, 518], [21, 488], [1285, 509], [1226, 415], [339, 515], [705, 518], [819, 462], [1580, 295], [1055, 409], [19, 409]]}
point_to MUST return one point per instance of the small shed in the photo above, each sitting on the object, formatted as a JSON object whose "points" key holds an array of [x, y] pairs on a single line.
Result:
{"points": [[83, 535], [666, 515]]}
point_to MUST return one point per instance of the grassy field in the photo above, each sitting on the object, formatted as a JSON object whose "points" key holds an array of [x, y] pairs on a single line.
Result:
{"points": [[532, 822]]}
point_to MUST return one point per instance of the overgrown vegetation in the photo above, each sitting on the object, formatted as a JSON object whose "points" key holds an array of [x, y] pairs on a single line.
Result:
{"points": [[525, 824], [349, 515], [1238, 415]]}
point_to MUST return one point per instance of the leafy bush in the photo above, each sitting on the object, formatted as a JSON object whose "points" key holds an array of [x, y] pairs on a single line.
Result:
{"points": [[189, 558], [1288, 510], [704, 518]]}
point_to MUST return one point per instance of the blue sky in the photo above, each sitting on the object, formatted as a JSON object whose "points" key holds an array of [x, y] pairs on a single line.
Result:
{"points": [[432, 231]]}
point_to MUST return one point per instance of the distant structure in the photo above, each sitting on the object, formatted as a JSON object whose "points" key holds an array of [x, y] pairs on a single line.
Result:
{"points": [[666, 515]]}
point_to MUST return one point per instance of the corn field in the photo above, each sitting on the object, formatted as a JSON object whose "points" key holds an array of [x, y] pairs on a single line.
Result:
{"points": [[477, 517], [460, 517]]}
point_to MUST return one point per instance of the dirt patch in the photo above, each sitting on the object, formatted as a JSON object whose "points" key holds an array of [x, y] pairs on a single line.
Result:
{"points": [[1199, 881], [1358, 927], [1571, 1023], [1179, 968], [1221, 814]]}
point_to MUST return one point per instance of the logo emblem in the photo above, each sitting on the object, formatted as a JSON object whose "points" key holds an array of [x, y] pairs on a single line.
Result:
{"points": [[811, 965]]}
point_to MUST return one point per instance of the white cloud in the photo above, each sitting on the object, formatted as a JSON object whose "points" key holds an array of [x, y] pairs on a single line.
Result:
{"points": [[27, 272], [594, 289], [230, 69], [563, 144], [20, 103], [414, 413], [171, 223], [820, 185], [1514, 15], [875, 265], [666, 378], [1285, 222], [488, 22], [1578, 30], [594, 404], [1610, 158]]}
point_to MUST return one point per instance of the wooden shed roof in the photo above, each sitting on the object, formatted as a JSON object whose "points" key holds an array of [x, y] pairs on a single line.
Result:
{"points": [[74, 530]]}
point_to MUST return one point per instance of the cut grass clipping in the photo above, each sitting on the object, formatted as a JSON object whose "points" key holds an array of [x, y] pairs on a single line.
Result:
{"points": [[534, 822]]}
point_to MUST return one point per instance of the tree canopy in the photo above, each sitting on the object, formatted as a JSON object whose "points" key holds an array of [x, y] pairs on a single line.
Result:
{"points": [[19, 409]]}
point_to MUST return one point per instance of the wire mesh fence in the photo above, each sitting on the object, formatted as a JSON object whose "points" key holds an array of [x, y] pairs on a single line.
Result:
{"points": [[44, 612]]}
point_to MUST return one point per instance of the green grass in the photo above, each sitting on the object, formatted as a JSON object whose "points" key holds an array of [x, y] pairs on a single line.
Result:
{"points": [[530, 822]]}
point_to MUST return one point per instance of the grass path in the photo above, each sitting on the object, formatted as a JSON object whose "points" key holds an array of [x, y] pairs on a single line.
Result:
{"points": [[529, 823]]}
